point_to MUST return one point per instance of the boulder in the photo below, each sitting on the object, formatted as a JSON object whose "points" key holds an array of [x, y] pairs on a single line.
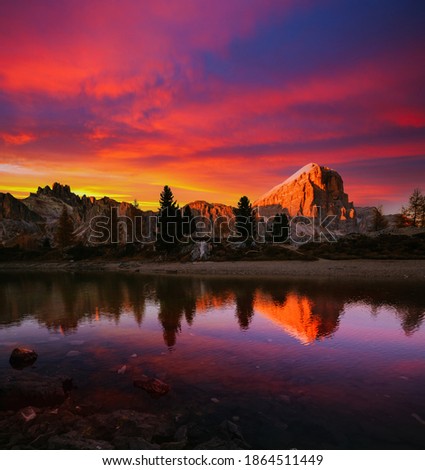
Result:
{"points": [[22, 357]]}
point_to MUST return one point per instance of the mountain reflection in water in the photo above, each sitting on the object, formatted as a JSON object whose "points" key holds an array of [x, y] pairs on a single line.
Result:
{"points": [[307, 311]]}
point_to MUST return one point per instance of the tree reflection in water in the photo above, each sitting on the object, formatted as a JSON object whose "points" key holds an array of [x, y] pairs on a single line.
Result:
{"points": [[306, 310]]}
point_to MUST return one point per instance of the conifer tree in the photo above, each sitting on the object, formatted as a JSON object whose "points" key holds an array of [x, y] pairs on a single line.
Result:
{"points": [[245, 219], [65, 229], [188, 224], [169, 221], [379, 222], [415, 211]]}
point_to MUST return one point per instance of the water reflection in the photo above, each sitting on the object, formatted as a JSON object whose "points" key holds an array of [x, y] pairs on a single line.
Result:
{"points": [[176, 300], [309, 311], [305, 318]]}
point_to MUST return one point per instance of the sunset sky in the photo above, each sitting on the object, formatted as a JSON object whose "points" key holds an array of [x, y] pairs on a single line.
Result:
{"points": [[215, 98]]}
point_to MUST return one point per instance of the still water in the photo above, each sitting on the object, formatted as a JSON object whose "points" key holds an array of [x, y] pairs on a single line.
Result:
{"points": [[299, 364]]}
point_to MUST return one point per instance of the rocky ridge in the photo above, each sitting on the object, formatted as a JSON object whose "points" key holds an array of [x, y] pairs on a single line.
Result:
{"points": [[32, 222]]}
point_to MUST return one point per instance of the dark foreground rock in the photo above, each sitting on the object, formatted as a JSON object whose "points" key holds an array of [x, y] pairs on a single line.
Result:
{"points": [[73, 441], [39, 412], [63, 428], [22, 357], [19, 389]]}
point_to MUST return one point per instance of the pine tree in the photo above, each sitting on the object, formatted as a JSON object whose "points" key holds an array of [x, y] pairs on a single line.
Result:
{"points": [[169, 221], [280, 228], [379, 222], [415, 211], [64, 233], [166, 199], [245, 219], [189, 223]]}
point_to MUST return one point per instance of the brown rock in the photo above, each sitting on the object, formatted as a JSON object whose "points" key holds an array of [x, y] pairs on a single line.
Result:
{"points": [[154, 387], [22, 357]]}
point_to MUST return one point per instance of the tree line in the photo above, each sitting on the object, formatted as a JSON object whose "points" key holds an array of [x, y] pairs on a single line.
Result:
{"points": [[175, 224]]}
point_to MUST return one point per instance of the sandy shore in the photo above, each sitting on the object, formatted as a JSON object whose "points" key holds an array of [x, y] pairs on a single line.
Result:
{"points": [[348, 269]]}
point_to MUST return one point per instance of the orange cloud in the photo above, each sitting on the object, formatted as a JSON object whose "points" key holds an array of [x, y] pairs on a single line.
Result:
{"points": [[17, 139]]}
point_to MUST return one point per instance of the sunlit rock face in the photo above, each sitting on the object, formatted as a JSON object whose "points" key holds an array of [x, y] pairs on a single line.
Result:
{"points": [[213, 218], [311, 187], [211, 211]]}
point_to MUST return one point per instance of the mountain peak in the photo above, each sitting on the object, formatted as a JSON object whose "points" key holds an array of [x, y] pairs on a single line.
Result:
{"points": [[59, 191], [310, 187], [305, 169]]}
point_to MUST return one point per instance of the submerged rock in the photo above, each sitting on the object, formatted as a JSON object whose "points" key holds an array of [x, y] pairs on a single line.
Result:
{"points": [[230, 431], [22, 389], [122, 424], [154, 387], [179, 440], [22, 357], [418, 418], [73, 353], [28, 413]]}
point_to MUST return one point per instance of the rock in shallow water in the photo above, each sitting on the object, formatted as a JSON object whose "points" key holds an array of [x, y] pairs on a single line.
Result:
{"points": [[21, 389], [73, 353], [22, 357], [154, 387], [28, 414]]}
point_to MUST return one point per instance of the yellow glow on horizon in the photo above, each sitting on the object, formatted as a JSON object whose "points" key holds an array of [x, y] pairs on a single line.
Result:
{"points": [[14, 190], [186, 187], [98, 195]]}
